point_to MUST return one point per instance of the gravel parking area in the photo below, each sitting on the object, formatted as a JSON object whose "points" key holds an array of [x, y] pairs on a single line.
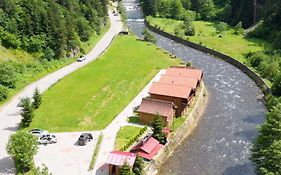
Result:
{"points": [[66, 156]]}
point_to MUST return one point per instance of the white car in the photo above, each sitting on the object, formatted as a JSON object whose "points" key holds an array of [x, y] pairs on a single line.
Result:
{"points": [[38, 132], [47, 139], [81, 58]]}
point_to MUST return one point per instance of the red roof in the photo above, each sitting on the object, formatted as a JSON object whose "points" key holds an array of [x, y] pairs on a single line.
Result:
{"points": [[149, 145], [170, 90], [154, 106], [119, 158], [152, 153], [166, 130], [185, 72], [177, 80]]}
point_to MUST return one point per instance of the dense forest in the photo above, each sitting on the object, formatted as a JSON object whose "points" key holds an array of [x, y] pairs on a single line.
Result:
{"points": [[47, 29], [264, 18]]}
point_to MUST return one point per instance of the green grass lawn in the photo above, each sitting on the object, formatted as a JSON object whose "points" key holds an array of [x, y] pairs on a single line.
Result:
{"points": [[205, 33], [26, 58], [125, 134], [90, 98]]}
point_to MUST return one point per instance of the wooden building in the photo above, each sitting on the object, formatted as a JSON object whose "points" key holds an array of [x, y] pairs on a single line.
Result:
{"points": [[181, 96], [150, 108], [117, 159], [185, 72]]}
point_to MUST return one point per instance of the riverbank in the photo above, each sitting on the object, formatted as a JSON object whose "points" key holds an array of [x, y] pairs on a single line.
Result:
{"points": [[178, 136], [254, 76]]}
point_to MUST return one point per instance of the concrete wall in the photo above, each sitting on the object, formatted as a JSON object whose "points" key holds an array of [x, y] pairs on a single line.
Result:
{"points": [[177, 137], [255, 77]]}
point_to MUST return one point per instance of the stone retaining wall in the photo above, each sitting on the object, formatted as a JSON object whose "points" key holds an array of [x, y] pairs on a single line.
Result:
{"points": [[177, 137], [255, 77]]}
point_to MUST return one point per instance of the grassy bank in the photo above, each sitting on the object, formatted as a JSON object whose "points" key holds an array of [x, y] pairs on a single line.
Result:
{"points": [[125, 135], [90, 98], [36, 69], [227, 42]]}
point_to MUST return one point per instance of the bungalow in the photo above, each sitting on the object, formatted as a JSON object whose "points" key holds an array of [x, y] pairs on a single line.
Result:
{"points": [[148, 148], [179, 80], [117, 159], [150, 108], [185, 72], [181, 96]]}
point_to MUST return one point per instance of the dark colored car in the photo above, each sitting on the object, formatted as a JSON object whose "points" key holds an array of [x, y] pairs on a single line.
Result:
{"points": [[84, 138]]}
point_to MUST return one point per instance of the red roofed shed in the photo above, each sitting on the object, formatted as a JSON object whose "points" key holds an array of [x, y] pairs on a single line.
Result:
{"points": [[148, 149], [116, 159]]}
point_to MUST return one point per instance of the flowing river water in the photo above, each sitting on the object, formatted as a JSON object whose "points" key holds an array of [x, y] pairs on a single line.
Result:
{"points": [[221, 142]]}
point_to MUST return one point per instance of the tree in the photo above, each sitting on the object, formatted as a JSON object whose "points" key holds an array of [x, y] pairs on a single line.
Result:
{"points": [[207, 9], [149, 37], [3, 92], [186, 4], [39, 171], [37, 99], [276, 87], [157, 129], [138, 166], [188, 27], [126, 170], [176, 9], [8, 75], [26, 111], [22, 146]]}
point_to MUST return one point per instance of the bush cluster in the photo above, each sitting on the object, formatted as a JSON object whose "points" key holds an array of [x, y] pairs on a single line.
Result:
{"points": [[133, 140]]}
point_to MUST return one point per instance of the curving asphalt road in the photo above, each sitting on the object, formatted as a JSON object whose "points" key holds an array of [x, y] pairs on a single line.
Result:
{"points": [[9, 112]]}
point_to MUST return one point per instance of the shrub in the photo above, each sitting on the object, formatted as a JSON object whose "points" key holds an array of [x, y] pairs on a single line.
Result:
{"points": [[276, 87], [221, 27], [138, 166], [10, 40], [149, 37], [3, 92], [22, 146], [8, 75]]}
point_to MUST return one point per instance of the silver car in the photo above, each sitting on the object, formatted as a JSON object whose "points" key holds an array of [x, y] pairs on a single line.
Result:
{"points": [[38, 132], [47, 139]]}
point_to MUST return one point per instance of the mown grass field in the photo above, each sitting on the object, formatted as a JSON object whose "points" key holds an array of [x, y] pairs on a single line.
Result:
{"points": [[125, 134], [23, 57], [205, 33], [90, 98]]}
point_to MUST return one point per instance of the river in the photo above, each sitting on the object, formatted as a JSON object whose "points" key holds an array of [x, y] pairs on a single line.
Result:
{"points": [[221, 142]]}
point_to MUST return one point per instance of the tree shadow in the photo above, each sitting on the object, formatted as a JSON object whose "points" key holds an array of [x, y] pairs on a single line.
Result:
{"points": [[255, 119], [7, 166], [245, 169], [12, 128]]}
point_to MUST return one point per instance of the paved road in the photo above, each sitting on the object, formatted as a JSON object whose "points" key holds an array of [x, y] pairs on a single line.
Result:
{"points": [[110, 132], [9, 113]]}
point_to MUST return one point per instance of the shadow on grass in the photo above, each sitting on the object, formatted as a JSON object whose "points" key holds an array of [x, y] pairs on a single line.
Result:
{"points": [[133, 119]]}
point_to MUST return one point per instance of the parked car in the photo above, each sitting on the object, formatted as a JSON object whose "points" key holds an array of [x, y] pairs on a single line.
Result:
{"points": [[47, 139], [81, 58], [38, 132], [84, 138]]}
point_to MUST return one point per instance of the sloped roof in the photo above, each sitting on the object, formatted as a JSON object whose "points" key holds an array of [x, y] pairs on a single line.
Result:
{"points": [[170, 90], [178, 80], [152, 153], [185, 72], [149, 145], [154, 106], [119, 158]]}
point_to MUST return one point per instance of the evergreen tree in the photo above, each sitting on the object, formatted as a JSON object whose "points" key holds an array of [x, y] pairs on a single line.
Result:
{"points": [[37, 99], [276, 87], [157, 129], [126, 170], [186, 4], [138, 166], [26, 111], [176, 9]]}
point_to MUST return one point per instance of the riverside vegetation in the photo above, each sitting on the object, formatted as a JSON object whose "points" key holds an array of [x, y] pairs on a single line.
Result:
{"points": [[248, 30]]}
